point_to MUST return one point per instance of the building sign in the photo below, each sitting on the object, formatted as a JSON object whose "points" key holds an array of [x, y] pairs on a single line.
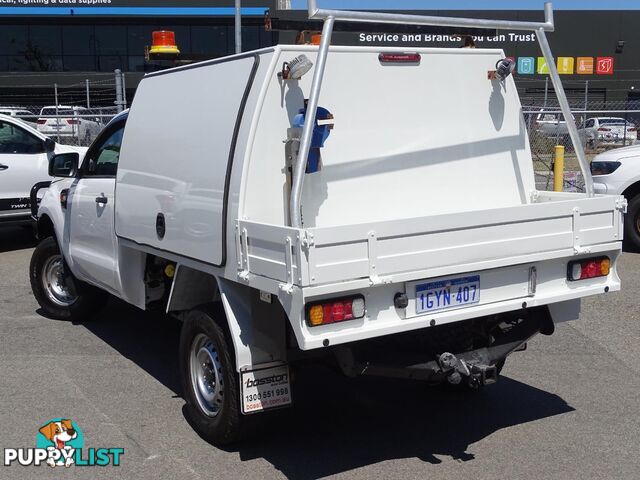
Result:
{"points": [[585, 66], [604, 66], [526, 65], [543, 68], [130, 7], [565, 65]]}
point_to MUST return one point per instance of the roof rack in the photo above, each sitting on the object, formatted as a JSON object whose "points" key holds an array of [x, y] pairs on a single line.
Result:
{"points": [[330, 16]]}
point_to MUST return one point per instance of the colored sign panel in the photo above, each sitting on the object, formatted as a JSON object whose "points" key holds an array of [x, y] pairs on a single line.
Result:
{"points": [[526, 65], [566, 65], [604, 65], [584, 66], [543, 68]]}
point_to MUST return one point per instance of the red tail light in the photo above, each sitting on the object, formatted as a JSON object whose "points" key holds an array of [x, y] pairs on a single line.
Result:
{"points": [[603, 129], [332, 311], [73, 121], [632, 129], [41, 121], [589, 268], [399, 58]]}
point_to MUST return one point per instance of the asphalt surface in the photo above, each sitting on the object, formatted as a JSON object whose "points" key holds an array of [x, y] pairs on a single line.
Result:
{"points": [[567, 408]]}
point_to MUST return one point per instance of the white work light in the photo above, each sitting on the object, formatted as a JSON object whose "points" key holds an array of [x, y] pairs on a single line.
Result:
{"points": [[296, 68], [504, 68]]}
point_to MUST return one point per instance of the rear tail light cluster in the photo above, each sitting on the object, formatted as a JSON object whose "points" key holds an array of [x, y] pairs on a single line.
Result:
{"points": [[41, 121], [588, 268], [604, 129], [632, 129], [73, 121], [335, 310]]}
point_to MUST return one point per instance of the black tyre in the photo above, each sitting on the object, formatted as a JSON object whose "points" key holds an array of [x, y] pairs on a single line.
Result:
{"points": [[209, 379], [632, 223], [60, 295]]}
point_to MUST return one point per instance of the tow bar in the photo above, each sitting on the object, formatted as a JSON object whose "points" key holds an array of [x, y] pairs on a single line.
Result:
{"points": [[476, 374], [477, 367]]}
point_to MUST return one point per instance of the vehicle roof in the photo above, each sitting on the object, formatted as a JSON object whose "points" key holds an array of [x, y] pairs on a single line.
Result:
{"points": [[119, 116], [63, 106]]}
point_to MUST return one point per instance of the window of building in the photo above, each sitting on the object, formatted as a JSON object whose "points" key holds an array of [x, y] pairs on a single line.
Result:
{"points": [[105, 48]]}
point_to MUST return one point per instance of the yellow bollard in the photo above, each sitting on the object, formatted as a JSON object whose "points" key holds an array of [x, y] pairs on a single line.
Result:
{"points": [[558, 169]]}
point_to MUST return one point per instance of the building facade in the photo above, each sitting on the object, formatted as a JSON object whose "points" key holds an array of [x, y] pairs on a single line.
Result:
{"points": [[43, 42]]}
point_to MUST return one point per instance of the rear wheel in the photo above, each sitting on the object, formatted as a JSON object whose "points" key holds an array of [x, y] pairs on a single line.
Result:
{"points": [[210, 383], [60, 295], [632, 223]]}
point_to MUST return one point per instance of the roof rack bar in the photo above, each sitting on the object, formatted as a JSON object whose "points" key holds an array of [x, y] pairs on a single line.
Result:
{"points": [[379, 17], [566, 111], [299, 171]]}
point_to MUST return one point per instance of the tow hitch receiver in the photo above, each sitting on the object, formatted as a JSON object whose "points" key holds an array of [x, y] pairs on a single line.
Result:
{"points": [[457, 369]]}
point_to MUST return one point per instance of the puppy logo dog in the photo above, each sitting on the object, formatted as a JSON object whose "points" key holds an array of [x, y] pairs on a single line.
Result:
{"points": [[59, 433]]}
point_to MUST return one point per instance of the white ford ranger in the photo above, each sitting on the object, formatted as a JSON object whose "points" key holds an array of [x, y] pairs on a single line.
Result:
{"points": [[327, 208], [617, 172], [24, 161]]}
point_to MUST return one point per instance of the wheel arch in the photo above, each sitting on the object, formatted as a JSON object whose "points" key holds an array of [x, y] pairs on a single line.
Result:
{"points": [[45, 227], [632, 190], [257, 329]]}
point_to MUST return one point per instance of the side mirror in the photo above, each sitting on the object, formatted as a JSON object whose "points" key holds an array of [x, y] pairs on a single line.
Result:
{"points": [[64, 165], [49, 145]]}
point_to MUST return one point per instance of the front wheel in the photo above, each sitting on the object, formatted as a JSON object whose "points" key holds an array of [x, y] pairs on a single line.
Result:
{"points": [[209, 380], [60, 295]]}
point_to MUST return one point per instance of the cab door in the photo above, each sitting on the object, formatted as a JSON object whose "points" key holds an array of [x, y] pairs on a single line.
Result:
{"points": [[90, 205], [23, 163]]}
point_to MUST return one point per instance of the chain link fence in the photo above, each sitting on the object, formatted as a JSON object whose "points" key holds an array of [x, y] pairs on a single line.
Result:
{"points": [[601, 127], [72, 113]]}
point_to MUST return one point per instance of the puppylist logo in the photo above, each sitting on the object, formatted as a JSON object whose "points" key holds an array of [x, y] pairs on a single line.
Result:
{"points": [[60, 443]]}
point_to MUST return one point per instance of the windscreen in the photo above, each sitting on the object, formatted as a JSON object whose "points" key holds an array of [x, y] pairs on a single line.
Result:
{"points": [[613, 121], [53, 111]]}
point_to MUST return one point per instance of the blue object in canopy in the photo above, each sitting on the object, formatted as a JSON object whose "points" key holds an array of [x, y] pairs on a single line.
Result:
{"points": [[318, 137]]}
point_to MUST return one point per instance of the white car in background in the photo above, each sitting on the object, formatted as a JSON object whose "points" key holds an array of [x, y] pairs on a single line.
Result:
{"points": [[608, 131], [24, 161], [551, 124], [20, 113], [67, 122], [617, 172]]}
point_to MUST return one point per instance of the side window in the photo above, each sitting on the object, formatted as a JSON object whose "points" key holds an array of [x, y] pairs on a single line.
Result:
{"points": [[103, 159], [590, 123], [14, 139]]}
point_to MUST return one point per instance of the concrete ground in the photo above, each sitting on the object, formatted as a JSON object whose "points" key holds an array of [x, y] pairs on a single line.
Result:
{"points": [[567, 408]]}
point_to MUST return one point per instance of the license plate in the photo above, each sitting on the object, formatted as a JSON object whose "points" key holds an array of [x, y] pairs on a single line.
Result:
{"points": [[447, 294], [265, 388]]}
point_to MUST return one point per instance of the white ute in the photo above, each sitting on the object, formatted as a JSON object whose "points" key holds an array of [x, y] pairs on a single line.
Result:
{"points": [[375, 234]]}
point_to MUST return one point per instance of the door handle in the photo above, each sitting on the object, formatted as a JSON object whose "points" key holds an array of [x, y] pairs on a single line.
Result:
{"points": [[102, 199], [3, 167]]}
